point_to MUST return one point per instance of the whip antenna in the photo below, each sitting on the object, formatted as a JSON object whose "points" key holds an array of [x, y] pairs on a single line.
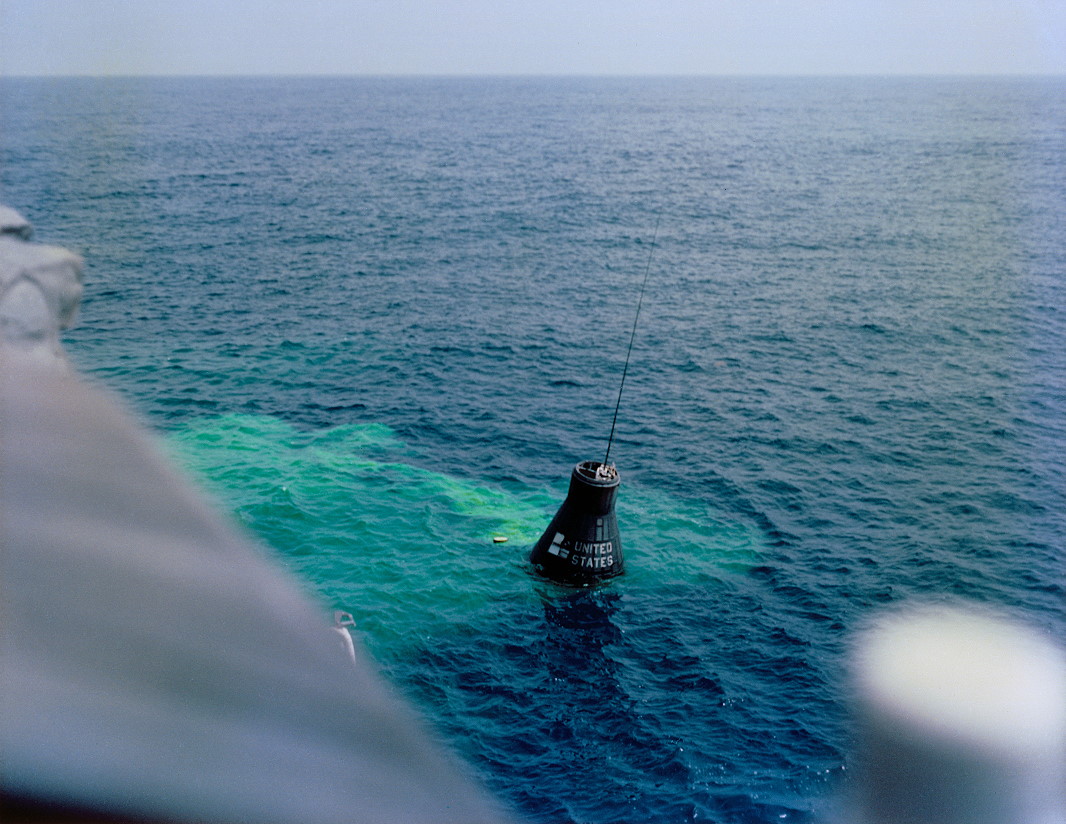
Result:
{"points": [[632, 337]]}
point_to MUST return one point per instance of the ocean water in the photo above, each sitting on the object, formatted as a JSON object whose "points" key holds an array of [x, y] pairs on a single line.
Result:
{"points": [[381, 319]]}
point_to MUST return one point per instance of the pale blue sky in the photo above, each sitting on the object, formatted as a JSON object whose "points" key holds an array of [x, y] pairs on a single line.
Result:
{"points": [[533, 37]]}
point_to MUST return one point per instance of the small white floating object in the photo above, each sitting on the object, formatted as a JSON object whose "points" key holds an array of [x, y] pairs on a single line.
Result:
{"points": [[341, 621], [499, 539]]}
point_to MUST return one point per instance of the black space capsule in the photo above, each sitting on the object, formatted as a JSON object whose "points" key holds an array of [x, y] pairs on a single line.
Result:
{"points": [[581, 545]]}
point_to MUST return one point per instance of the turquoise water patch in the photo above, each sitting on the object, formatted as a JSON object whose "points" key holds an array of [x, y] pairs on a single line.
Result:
{"points": [[670, 540], [410, 552]]}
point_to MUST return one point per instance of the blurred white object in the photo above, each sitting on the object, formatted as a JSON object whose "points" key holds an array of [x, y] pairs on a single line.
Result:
{"points": [[963, 720], [40, 288], [154, 663], [14, 224]]}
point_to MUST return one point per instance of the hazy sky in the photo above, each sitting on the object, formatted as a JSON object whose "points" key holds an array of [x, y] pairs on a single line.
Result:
{"points": [[533, 37]]}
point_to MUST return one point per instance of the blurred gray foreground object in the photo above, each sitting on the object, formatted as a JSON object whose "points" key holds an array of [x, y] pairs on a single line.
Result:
{"points": [[154, 663]]}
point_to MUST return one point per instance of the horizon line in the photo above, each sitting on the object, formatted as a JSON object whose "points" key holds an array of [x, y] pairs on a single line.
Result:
{"points": [[529, 75]]}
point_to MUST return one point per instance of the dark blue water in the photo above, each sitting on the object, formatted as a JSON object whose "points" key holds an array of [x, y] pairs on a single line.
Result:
{"points": [[382, 319]]}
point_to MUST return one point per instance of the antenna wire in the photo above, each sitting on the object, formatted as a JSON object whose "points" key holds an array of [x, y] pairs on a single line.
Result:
{"points": [[632, 336]]}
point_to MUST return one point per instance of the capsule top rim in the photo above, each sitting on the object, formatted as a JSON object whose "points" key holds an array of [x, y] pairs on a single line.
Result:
{"points": [[596, 473]]}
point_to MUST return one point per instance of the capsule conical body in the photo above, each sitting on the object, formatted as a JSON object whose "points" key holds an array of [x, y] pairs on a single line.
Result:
{"points": [[582, 545]]}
